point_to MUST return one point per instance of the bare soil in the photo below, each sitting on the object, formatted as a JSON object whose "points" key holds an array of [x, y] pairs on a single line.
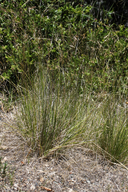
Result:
{"points": [[76, 170]]}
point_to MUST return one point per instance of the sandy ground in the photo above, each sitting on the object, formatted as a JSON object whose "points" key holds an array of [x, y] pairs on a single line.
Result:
{"points": [[76, 170]]}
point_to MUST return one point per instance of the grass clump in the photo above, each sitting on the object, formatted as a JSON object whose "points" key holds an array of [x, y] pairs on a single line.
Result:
{"points": [[114, 130], [53, 119]]}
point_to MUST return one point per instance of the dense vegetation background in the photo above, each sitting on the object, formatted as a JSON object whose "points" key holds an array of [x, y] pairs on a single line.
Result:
{"points": [[85, 42]]}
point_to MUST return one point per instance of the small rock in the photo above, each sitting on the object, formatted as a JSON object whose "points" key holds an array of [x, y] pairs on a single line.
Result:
{"points": [[41, 179], [71, 190], [32, 187], [3, 147]]}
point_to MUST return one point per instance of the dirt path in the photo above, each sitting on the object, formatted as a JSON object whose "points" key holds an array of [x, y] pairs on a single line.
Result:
{"points": [[78, 170]]}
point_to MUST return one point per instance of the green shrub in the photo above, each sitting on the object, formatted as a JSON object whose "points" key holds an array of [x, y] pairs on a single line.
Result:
{"points": [[63, 38]]}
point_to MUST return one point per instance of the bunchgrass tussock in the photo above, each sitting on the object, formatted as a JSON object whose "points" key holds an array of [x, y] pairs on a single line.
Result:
{"points": [[50, 118], [113, 137]]}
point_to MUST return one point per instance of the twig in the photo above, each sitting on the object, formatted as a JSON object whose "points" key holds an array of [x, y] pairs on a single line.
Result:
{"points": [[47, 189]]}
